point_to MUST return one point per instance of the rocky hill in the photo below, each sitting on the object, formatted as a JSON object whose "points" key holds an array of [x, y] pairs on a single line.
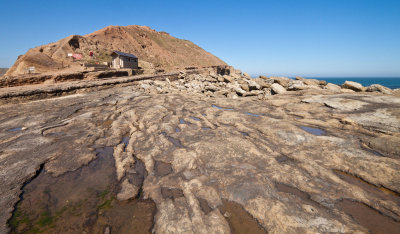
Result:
{"points": [[157, 50]]}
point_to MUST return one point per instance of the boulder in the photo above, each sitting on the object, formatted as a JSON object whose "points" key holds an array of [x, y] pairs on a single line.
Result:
{"points": [[245, 87], [262, 83], [277, 88], [332, 87], [296, 85], [283, 81], [353, 86], [314, 82], [237, 89], [228, 79], [211, 87], [379, 88], [253, 85], [246, 75]]}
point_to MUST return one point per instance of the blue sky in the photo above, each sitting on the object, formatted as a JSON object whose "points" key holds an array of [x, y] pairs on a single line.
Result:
{"points": [[273, 37]]}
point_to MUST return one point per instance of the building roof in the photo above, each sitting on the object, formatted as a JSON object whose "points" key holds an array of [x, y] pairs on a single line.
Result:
{"points": [[124, 54]]}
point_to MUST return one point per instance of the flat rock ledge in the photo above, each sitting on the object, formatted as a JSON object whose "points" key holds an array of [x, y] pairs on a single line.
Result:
{"points": [[200, 152]]}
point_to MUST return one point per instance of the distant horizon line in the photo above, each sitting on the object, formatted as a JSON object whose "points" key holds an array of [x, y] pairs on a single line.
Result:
{"points": [[353, 77]]}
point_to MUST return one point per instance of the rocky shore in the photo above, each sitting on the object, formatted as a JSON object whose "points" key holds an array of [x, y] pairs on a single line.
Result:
{"points": [[210, 151]]}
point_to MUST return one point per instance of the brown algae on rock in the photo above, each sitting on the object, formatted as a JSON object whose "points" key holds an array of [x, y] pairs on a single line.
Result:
{"points": [[81, 200]]}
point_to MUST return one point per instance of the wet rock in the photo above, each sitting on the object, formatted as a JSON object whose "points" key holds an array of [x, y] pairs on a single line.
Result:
{"points": [[171, 193], [162, 168], [128, 191], [353, 86]]}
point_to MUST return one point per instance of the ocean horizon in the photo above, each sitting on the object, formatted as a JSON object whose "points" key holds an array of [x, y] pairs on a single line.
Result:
{"points": [[390, 82]]}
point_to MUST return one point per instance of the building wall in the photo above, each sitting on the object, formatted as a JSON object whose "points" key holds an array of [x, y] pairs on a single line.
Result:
{"points": [[116, 62], [129, 62], [125, 62]]}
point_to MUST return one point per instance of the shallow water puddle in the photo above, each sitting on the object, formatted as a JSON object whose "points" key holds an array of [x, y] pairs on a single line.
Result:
{"points": [[368, 217], [125, 141], [206, 128], [252, 114], [291, 190], [314, 131], [182, 121], [245, 134], [162, 168], [239, 220], [195, 118], [220, 108], [177, 129], [80, 201], [14, 129]]}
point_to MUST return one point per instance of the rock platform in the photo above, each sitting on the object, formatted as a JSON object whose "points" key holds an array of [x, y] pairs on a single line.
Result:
{"points": [[202, 154]]}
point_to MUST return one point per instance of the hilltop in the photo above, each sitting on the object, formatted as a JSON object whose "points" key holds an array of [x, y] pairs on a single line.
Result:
{"points": [[156, 50]]}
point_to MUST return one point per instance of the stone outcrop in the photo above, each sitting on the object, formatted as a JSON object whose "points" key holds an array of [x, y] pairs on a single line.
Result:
{"points": [[186, 152], [379, 88], [353, 86]]}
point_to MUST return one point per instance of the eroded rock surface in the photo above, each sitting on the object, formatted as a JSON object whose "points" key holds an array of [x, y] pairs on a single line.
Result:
{"points": [[206, 161]]}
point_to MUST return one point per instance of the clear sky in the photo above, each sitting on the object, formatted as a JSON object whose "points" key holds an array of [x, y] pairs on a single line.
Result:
{"points": [[273, 37]]}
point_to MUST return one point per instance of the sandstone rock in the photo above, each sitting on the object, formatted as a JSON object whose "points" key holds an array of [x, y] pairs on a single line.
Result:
{"points": [[228, 79], [277, 88], [296, 85], [245, 86], [253, 85], [283, 81], [344, 90], [246, 75], [262, 83], [332, 87], [379, 88], [353, 86], [296, 181], [211, 88]]}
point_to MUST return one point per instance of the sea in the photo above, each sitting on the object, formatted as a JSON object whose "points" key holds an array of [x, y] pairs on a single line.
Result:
{"points": [[392, 82]]}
